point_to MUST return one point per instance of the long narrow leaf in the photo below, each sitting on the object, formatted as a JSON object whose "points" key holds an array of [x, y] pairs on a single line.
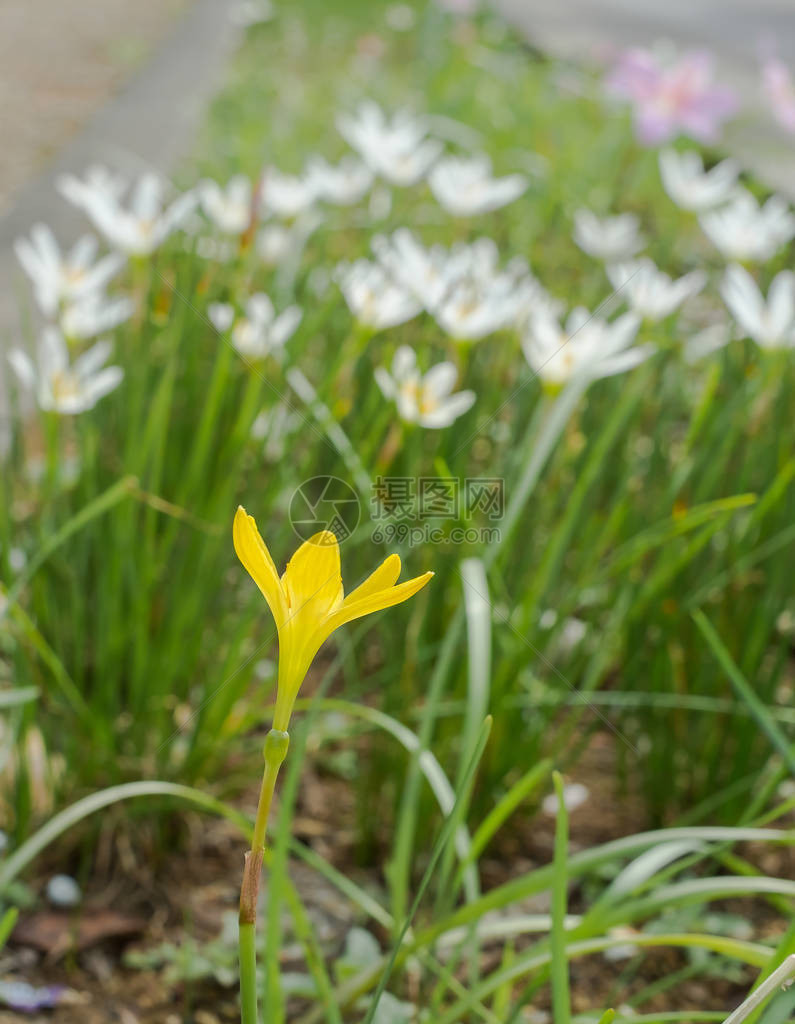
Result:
{"points": [[765, 720]]}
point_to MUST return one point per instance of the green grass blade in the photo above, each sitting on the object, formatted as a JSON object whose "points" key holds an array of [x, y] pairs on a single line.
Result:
{"points": [[124, 488], [499, 814], [7, 922], [77, 812], [442, 840], [561, 999], [757, 708], [13, 698]]}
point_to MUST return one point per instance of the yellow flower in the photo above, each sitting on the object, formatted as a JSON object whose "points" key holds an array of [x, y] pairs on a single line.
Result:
{"points": [[308, 603]]}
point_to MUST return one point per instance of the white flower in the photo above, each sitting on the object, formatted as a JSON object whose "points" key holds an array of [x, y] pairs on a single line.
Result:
{"points": [[139, 228], [229, 208], [62, 388], [608, 238], [109, 183], [94, 314], [587, 346], [475, 307], [274, 243], [652, 294], [706, 341], [425, 399], [464, 185], [423, 272], [531, 298], [252, 12], [745, 231], [693, 188], [374, 299], [463, 288], [769, 322], [59, 277], [258, 332], [342, 185], [286, 195], [395, 149], [221, 315]]}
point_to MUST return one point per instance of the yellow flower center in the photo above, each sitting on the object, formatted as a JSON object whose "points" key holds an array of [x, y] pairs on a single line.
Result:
{"points": [[65, 385]]}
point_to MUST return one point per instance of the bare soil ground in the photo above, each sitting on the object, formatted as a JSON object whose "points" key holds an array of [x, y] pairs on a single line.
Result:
{"points": [[140, 903], [60, 60]]}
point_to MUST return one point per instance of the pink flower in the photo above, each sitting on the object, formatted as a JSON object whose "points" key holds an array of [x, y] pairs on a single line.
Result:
{"points": [[779, 91], [671, 98]]}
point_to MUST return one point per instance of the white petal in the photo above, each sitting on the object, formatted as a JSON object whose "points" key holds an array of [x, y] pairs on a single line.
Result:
{"points": [[53, 353], [47, 246], [449, 410], [23, 367], [440, 380], [100, 274], [706, 341], [781, 302], [741, 294], [285, 324], [84, 251], [621, 333], [221, 315], [403, 363], [624, 361], [259, 308], [92, 359], [100, 385], [147, 197], [384, 380]]}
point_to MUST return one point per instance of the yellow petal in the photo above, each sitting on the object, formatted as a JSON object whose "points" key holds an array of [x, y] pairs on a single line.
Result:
{"points": [[312, 580], [253, 553], [386, 575], [375, 602]]}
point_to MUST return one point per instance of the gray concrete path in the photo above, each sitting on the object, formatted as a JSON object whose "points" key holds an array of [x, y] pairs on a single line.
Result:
{"points": [[150, 123], [735, 30], [60, 60]]}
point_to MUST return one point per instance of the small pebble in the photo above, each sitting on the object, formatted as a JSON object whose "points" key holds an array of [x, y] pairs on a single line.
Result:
{"points": [[19, 995], [574, 795], [63, 891]]}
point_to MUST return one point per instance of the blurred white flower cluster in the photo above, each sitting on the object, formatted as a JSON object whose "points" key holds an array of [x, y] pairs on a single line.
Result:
{"points": [[468, 289]]}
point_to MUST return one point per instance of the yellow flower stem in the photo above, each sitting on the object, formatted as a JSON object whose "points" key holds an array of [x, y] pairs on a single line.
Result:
{"points": [[275, 751]]}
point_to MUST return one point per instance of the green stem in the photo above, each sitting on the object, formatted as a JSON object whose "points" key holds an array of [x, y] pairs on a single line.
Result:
{"points": [[276, 744], [248, 973], [275, 751], [51, 429]]}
